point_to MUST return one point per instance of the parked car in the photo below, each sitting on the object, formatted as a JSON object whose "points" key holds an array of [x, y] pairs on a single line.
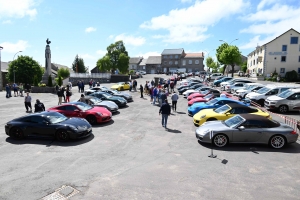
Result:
{"points": [[197, 90], [288, 100], [246, 128], [94, 101], [120, 86], [48, 124], [214, 76], [204, 93], [232, 81], [251, 87], [120, 101], [95, 89], [219, 81], [92, 114], [235, 85], [125, 95], [225, 112]]}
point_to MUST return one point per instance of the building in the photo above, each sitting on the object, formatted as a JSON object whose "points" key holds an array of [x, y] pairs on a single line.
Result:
{"points": [[236, 67], [173, 59], [142, 65], [281, 54], [134, 63], [153, 65]]}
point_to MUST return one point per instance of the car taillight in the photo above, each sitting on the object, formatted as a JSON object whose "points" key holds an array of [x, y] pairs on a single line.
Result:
{"points": [[293, 132]]}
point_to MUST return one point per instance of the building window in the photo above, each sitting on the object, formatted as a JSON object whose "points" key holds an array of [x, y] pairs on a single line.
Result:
{"points": [[253, 62], [284, 47], [165, 56], [176, 56], [184, 62], [298, 70], [171, 57], [176, 62], [165, 62], [283, 58], [294, 40], [190, 62], [170, 62], [197, 62], [282, 70]]}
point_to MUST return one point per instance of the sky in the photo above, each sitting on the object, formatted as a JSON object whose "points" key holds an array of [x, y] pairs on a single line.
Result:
{"points": [[88, 27]]}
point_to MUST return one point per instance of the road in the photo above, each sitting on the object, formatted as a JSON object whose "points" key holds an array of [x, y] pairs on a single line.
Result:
{"points": [[134, 157]]}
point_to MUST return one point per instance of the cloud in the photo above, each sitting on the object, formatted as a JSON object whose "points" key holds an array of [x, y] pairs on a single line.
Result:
{"points": [[191, 24], [18, 9], [90, 29], [21, 45], [186, 1], [101, 52], [264, 3], [130, 40], [6, 22], [86, 56], [146, 55], [111, 37]]}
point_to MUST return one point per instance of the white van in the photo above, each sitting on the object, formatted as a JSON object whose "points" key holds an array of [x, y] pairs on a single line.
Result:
{"points": [[260, 95], [288, 100]]}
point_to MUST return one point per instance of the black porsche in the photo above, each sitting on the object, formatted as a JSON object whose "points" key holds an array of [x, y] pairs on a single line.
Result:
{"points": [[48, 124]]}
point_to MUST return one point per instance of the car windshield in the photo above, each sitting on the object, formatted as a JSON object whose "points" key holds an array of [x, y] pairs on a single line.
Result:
{"points": [[208, 96], [83, 106], [222, 109], [120, 83], [205, 92], [285, 94], [263, 90], [212, 102], [234, 121], [95, 100], [55, 117]]}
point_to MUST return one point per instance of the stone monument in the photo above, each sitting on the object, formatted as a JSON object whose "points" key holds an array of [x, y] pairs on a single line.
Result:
{"points": [[48, 68]]}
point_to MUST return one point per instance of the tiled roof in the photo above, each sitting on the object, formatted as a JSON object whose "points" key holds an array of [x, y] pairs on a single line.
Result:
{"points": [[172, 51], [144, 61], [193, 55], [154, 60], [135, 60]]}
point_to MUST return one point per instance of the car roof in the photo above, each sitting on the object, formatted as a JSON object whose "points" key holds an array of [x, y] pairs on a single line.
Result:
{"points": [[237, 105], [295, 90], [254, 117]]}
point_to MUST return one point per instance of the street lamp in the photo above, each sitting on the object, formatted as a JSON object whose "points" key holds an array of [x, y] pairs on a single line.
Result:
{"points": [[0, 70], [14, 67], [230, 42]]}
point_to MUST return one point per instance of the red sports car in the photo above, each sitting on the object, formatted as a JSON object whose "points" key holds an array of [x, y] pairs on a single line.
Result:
{"points": [[201, 99], [78, 109], [198, 94]]}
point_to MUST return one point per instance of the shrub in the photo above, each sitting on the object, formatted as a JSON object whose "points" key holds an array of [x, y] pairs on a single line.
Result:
{"points": [[35, 81], [42, 85], [59, 81], [50, 81], [291, 76]]}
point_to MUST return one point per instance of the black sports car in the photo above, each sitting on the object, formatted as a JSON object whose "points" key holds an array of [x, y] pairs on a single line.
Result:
{"points": [[126, 96], [48, 124], [120, 101]]}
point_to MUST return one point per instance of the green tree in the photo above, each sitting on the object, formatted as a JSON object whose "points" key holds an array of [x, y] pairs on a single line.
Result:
{"points": [[50, 81], [209, 63], [25, 69], [78, 65], [115, 58], [63, 72], [219, 50], [231, 56], [59, 81], [244, 67]]}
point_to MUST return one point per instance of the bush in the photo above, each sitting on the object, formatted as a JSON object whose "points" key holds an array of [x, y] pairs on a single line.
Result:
{"points": [[42, 85], [291, 76], [59, 81], [35, 81], [50, 81]]}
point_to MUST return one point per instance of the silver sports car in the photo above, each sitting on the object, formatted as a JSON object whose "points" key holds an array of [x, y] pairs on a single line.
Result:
{"points": [[246, 128], [94, 101]]}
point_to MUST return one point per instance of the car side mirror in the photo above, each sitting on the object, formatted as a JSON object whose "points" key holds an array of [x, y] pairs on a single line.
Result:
{"points": [[228, 113], [76, 110], [241, 128]]}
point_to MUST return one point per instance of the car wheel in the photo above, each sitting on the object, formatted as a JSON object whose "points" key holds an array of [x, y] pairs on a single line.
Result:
{"points": [[277, 141], [17, 133], [211, 119], [62, 135], [122, 89], [245, 96], [220, 140], [91, 119], [283, 109], [261, 102]]}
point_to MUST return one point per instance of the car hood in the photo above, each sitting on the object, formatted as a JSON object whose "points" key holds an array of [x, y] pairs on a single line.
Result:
{"points": [[200, 105], [253, 94], [108, 103], [100, 109], [215, 126], [242, 90], [79, 123], [115, 86], [274, 98]]}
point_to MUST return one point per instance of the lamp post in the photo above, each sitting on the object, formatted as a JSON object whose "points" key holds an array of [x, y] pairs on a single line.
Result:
{"points": [[14, 67], [0, 70], [230, 42]]}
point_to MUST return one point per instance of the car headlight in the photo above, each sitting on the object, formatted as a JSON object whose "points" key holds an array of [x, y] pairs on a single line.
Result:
{"points": [[73, 127], [203, 116], [273, 102], [100, 114]]}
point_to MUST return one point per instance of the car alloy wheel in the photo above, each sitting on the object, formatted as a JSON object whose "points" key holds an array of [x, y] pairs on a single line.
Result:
{"points": [[283, 109], [62, 135], [91, 119], [277, 141], [220, 140], [17, 133]]}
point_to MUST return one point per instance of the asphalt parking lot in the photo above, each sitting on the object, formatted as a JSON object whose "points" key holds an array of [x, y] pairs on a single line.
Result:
{"points": [[134, 157]]}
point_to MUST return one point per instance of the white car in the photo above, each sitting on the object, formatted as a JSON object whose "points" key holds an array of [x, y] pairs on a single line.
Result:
{"points": [[142, 72], [95, 89], [189, 92], [241, 93]]}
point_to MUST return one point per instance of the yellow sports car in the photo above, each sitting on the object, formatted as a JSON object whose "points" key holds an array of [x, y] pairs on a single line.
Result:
{"points": [[225, 112], [120, 86]]}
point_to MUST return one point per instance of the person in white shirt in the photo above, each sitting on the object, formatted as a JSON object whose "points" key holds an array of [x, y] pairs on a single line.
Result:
{"points": [[174, 99], [27, 102]]}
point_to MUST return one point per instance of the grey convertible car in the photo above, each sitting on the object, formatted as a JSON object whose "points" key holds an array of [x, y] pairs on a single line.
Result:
{"points": [[94, 101], [246, 128]]}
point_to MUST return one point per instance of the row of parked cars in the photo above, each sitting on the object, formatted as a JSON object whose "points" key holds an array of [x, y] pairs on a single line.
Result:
{"points": [[70, 120], [223, 119]]}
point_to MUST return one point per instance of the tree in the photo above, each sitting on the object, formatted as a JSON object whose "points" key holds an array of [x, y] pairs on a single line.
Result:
{"points": [[59, 81], [25, 70], [63, 72], [231, 56], [78, 65], [209, 63], [115, 58], [219, 58], [244, 67], [50, 81]]}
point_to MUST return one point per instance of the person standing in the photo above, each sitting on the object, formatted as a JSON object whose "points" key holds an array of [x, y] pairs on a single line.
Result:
{"points": [[79, 86], [141, 90], [59, 94], [174, 99], [63, 89], [7, 90], [155, 92], [68, 94], [82, 99], [162, 98], [21, 89], [27, 102], [165, 111], [39, 106], [15, 88]]}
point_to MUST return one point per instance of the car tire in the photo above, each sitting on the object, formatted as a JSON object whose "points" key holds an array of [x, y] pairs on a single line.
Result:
{"points": [[122, 89], [17, 133], [261, 102], [220, 140], [91, 119], [283, 109], [211, 119], [277, 141], [62, 135]]}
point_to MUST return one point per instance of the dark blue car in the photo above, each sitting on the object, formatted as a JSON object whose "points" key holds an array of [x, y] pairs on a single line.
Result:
{"points": [[214, 103], [224, 79]]}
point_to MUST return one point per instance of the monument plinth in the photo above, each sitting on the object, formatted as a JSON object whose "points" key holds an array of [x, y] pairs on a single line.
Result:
{"points": [[48, 71]]}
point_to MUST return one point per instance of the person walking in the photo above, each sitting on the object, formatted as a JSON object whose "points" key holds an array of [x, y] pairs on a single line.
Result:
{"points": [[7, 90], [174, 99], [130, 86], [39, 106], [163, 97], [63, 89], [27, 102], [68, 94], [15, 88], [155, 93], [141, 90], [165, 111], [21, 89], [59, 94]]}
